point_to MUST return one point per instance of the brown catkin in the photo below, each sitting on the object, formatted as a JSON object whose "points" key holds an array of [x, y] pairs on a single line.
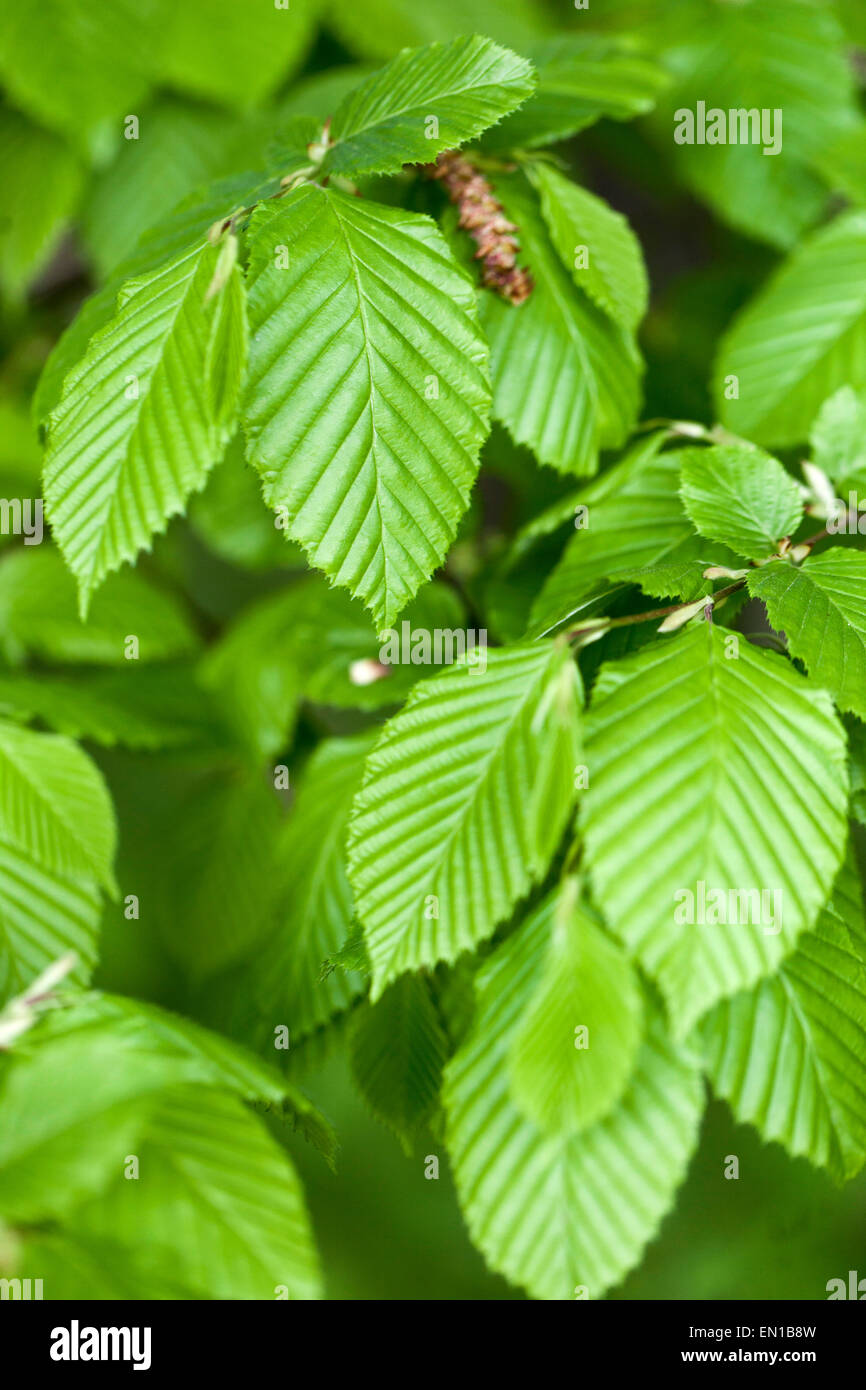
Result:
{"points": [[482, 216]]}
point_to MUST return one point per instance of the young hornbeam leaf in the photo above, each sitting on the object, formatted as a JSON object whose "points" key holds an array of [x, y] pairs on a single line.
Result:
{"points": [[451, 826], [22, 1011], [368, 392], [146, 414], [684, 615], [426, 100], [397, 1047], [823, 494], [740, 496], [722, 572], [698, 862], [553, 1211], [838, 439], [596, 244], [820, 606], [565, 376], [55, 806], [803, 334], [810, 1019], [575, 1049], [581, 77], [226, 262]]}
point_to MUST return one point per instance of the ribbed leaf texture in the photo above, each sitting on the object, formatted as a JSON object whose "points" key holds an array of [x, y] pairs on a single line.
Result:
{"points": [[54, 804], [182, 231], [801, 337], [564, 1216], [397, 1048], [566, 380], [821, 608], [42, 916], [635, 519], [284, 984], [65, 1142], [741, 497], [575, 1048], [580, 79], [368, 397], [790, 1056], [465, 85], [689, 740], [145, 414], [453, 823], [584, 228], [221, 1200]]}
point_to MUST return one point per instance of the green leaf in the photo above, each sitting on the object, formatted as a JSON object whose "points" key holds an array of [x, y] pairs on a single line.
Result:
{"points": [[139, 707], [39, 615], [838, 439], [563, 1080], [778, 56], [634, 519], [799, 339], [180, 146], [580, 79], [235, 55], [231, 518], [821, 608], [404, 24], [352, 955], [62, 1139], [449, 829], [741, 497], [614, 276], [397, 1048], [675, 579], [857, 754], [465, 86], [554, 1212], [213, 899], [78, 68], [367, 400], [843, 163], [183, 230], [137, 428], [42, 180], [54, 804], [42, 916], [78, 1090], [68, 1263], [222, 1203], [313, 641], [140, 1031], [703, 869], [283, 985], [790, 1057], [565, 379]]}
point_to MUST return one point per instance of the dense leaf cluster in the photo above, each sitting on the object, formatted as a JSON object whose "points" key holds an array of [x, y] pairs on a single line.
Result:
{"points": [[626, 820]]}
